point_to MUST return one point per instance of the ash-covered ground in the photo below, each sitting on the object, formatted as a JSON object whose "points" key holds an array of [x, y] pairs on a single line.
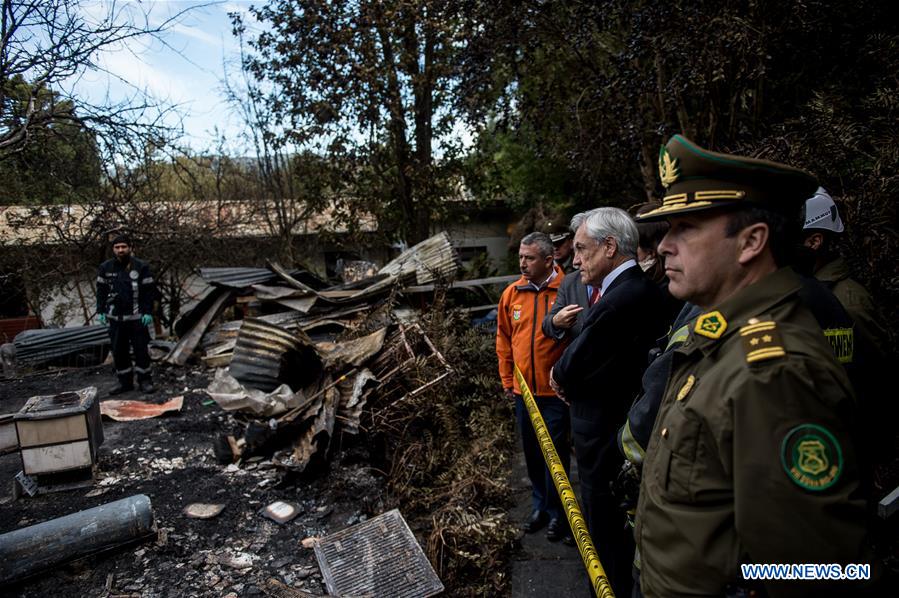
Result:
{"points": [[171, 460]]}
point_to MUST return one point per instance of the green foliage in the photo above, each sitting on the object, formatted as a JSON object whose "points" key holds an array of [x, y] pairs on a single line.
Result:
{"points": [[507, 165], [60, 162], [373, 84], [596, 88]]}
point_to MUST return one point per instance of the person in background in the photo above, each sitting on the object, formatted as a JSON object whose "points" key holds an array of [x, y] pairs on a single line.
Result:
{"points": [[562, 239], [821, 230], [866, 350], [125, 294], [651, 234], [521, 343]]}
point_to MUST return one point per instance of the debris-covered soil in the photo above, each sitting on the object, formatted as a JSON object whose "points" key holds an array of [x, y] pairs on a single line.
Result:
{"points": [[341, 401], [171, 460], [441, 455]]}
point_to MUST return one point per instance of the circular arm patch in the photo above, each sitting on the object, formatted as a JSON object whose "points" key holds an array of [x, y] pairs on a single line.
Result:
{"points": [[811, 457]]}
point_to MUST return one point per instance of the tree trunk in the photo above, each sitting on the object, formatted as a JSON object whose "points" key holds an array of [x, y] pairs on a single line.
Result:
{"points": [[397, 128]]}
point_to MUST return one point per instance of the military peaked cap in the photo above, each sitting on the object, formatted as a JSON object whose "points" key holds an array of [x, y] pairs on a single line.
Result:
{"points": [[696, 179], [556, 229]]}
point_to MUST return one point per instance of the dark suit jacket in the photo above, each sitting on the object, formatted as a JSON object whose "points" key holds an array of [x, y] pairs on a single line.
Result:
{"points": [[572, 291], [600, 371]]}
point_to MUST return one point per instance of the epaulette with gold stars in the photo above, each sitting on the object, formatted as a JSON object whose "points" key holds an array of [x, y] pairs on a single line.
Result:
{"points": [[761, 341]]}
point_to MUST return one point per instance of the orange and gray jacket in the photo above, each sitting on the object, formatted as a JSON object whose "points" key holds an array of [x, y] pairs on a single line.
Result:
{"points": [[519, 338], [125, 291]]}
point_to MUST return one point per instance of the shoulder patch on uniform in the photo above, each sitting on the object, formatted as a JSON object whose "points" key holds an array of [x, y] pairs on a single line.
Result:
{"points": [[686, 388], [761, 341], [678, 337], [710, 325], [842, 341], [811, 457]]}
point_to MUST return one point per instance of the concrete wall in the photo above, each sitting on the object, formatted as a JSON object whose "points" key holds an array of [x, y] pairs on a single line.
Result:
{"points": [[488, 229]]}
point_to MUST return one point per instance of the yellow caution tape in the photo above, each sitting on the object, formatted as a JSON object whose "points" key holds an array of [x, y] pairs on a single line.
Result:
{"points": [[597, 574]]}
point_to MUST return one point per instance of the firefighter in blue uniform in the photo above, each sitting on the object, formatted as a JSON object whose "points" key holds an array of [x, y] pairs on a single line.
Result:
{"points": [[125, 294]]}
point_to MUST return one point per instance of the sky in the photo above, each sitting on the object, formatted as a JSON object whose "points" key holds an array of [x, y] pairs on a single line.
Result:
{"points": [[184, 67]]}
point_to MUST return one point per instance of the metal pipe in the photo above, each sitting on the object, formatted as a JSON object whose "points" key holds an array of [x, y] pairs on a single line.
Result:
{"points": [[30, 550]]}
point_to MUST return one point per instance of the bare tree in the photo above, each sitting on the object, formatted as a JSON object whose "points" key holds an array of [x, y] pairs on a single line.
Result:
{"points": [[371, 83], [46, 45], [288, 188]]}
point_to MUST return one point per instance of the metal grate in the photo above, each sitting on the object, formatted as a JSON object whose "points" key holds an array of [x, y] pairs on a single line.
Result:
{"points": [[375, 558]]}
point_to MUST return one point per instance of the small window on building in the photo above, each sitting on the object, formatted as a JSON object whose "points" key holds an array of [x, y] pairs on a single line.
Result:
{"points": [[13, 303]]}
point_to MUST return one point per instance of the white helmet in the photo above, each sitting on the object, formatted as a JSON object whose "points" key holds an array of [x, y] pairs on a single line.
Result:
{"points": [[821, 213]]}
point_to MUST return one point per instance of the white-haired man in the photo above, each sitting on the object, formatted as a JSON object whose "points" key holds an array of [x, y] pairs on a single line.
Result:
{"points": [[599, 373]]}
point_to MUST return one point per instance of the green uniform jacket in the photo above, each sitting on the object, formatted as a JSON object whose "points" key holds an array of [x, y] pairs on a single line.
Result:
{"points": [[751, 458], [857, 301]]}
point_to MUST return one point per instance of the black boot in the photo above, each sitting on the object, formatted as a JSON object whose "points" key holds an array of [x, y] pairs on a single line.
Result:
{"points": [[122, 387], [146, 386]]}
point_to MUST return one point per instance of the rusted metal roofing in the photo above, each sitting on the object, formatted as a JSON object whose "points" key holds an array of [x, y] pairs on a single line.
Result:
{"points": [[244, 278], [30, 225], [126, 411], [213, 304], [10, 327], [267, 356]]}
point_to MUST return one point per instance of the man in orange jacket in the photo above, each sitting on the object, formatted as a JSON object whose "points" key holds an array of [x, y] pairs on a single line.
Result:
{"points": [[520, 341]]}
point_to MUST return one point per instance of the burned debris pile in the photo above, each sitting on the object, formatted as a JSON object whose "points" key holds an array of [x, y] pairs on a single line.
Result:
{"points": [[275, 374], [296, 360]]}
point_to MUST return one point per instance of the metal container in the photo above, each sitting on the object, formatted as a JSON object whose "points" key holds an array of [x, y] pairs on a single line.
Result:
{"points": [[58, 433]]}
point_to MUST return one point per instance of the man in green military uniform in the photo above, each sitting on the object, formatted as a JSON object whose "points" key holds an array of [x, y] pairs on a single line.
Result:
{"points": [[752, 458]]}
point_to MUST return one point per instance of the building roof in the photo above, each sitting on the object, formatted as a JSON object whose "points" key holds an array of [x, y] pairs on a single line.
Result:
{"points": [[53, 224]]}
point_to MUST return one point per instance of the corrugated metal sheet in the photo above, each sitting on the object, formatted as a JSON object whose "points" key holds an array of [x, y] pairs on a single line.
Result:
{"points": [[431, 259], [298, 279], [242, 278], [189, 341], [378, 557], [237, 278], [37, 346], [267, 356]]}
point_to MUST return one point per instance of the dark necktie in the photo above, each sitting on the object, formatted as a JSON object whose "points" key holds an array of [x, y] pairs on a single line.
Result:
{"points": [[594, 296]]}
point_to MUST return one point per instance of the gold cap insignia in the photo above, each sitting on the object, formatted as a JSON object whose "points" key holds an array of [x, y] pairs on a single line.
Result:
{"points": [[710, 325], [668, 168]]}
